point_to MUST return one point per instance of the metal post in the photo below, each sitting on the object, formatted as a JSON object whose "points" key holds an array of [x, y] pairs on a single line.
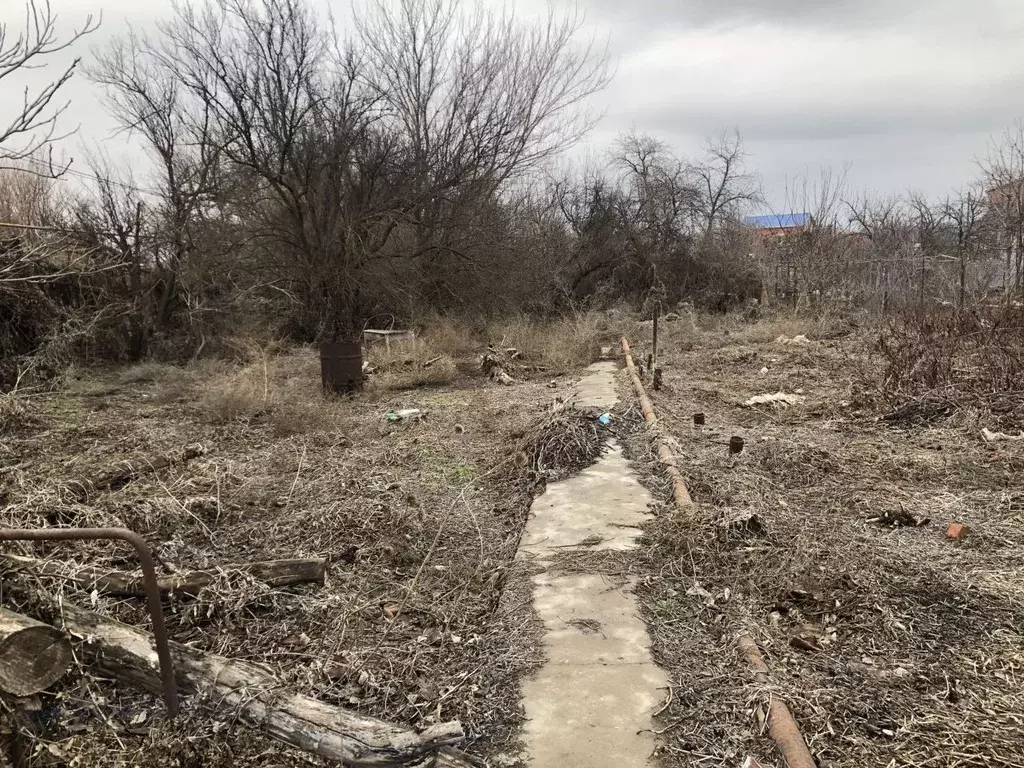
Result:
{"points": [[654, 342]]}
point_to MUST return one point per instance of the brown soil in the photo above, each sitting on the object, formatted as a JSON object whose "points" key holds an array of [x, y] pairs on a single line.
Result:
{"points": [[893, 644]]}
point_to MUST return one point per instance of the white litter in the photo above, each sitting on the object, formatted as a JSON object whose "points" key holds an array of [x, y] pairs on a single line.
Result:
{"points": [[778, 400], [699, 592], [996, 437], [764, 371], [801, 339]]}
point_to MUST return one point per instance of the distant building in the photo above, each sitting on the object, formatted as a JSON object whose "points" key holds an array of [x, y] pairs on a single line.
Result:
{"points": [[779, 226]]}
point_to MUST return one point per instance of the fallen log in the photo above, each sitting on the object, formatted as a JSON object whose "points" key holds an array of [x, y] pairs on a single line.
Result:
{"points": [[273, 573], [33, 655], [247, 692], [120, 475]]}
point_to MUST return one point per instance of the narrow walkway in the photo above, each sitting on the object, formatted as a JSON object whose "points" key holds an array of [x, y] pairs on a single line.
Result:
{"points": [[590, 705]]}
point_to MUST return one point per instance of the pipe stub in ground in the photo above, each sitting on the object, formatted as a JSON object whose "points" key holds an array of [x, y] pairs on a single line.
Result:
{"points": [[735, 445], [698, 419]]}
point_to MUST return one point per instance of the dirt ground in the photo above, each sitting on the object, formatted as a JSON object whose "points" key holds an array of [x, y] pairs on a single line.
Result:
{"points": [[827, 539], [419, 622]]}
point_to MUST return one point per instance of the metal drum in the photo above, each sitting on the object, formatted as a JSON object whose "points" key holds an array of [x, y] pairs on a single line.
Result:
{"points": [[341, 366]]}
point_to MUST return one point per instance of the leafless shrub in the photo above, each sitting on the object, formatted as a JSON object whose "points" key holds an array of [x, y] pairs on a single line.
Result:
{"points": [[963, 359]]}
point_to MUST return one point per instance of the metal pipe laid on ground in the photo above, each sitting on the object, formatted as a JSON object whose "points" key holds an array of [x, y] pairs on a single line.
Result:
{"points": [[782, 725], [679, 492]]}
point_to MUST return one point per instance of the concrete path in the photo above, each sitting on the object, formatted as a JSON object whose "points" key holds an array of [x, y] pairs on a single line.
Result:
{"points": [[590, 705]]}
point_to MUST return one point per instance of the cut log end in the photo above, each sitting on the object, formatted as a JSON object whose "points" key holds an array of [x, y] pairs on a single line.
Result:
{"points": [[33, 656]]}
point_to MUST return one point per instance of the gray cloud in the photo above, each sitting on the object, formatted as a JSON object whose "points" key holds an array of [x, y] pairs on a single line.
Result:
{"points": [[993, 16], [904, 92]]}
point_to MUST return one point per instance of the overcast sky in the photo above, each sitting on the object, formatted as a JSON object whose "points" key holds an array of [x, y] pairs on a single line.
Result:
{"points": [[905, 93]]}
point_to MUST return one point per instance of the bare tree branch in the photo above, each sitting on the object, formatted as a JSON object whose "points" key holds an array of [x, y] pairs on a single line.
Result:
{"points": [[34, 127]]}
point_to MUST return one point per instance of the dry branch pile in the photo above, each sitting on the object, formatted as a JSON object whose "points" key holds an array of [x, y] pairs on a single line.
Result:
{"points": [[564, 442]]}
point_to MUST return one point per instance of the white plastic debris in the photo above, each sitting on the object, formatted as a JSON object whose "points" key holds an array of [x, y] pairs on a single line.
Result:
{"points": [[799, 340], [702, 594], [777, 400], [406, 414], [998, 437], [764, 371]]}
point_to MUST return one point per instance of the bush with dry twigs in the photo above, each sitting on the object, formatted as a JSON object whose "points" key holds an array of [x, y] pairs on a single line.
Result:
{"points": [[942, 359]]}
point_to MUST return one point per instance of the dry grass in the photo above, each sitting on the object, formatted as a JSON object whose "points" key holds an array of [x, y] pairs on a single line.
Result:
{"points": [[284, 391], [421, 521], [919, 637], [426, 614], [557, 346], [16, 414], [448, 336], [419, 362], [738, 329], [444, 347], [279, 390]]}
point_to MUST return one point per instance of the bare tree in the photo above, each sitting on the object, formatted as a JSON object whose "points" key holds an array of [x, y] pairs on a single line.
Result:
{"points": [[292, 116], [388, 148], [1003, 171], [143, 94], [965, 216], [109, 222], [887, 225], [723, 183], [34, 125], [814, 263], [26, 196], [479, 98]]}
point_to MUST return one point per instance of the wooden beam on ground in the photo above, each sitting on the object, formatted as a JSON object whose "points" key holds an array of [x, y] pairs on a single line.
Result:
{"points": [[246, 692]]}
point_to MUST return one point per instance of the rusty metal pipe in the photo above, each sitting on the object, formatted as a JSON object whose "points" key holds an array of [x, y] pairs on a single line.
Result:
{"points": [[668, 459], [156, 611], [781, 724]]}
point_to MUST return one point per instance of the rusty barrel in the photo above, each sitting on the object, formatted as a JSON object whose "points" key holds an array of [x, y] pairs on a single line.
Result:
{"points": [[341, 366]]}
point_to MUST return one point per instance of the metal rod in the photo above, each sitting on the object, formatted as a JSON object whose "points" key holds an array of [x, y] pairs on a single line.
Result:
{"points": [[668, 459], [156, 611], [654, 338]]}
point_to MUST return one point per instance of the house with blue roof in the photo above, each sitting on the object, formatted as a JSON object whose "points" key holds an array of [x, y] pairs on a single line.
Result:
{"points": [[778, 226]]}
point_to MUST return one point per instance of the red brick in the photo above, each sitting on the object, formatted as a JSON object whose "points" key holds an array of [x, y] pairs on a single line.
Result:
{"points": [[957, 531]]}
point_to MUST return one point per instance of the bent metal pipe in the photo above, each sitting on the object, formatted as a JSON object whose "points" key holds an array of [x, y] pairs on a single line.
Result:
{"points": [[156, 611]]}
